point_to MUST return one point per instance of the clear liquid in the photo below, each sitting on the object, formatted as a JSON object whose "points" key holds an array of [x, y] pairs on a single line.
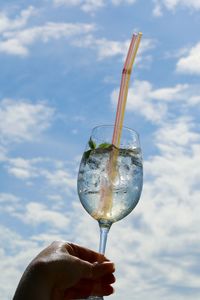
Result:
{"points": [[110, 195]]}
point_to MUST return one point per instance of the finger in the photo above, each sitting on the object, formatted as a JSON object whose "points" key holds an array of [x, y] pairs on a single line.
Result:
{"points": [[94, 271], [100, 291], [85, 254], [106, 280], [100, 270], [76, 293]]}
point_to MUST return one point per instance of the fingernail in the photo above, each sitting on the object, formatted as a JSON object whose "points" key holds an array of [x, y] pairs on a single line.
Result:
{"points": [[113, 267], [109, 265]]}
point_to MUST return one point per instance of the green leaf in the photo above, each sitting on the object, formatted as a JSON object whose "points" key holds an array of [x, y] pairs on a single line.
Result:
{"points": [[104, 145], [92, 144], [87, 154]]}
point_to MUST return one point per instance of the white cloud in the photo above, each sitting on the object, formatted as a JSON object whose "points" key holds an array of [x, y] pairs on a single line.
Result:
{"points": [[165, 221], [174, 185], [177, 53], [143, 99], [91, 5], [32, 213], [157, 104], [105, 48], [190, 64], [118, 2], [108, 48], [165, 237], [163, 230], [157, 11], [183, 128], [37, 213], [61, 179], [194, 100], [85, 5], [7, 24], [22, 168], [54, 175], [9, 203], [23, 120], [67, 2], [174, 174], [46, 238], [13, 46], [140, 100], [3, 153], [15, 254], [173, 4], [4, 198], [169, 93], [158, 246], [18, 42]]}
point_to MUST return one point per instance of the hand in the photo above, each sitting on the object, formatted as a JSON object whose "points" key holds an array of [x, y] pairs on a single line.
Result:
{"points": [[66, 271]]}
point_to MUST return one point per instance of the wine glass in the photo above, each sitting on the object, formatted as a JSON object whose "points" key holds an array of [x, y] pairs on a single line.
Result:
{"points": [[110, 179]]}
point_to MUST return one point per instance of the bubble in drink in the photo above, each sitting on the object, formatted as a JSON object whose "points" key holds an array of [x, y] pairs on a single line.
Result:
{"points": [[107, 196]]}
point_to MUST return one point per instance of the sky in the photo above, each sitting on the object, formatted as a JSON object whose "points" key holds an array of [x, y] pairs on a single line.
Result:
{"points": [[61, 64]]}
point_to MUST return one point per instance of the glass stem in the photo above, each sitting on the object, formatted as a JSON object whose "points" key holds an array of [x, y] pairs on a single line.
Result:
{"points": [[104, 229]]}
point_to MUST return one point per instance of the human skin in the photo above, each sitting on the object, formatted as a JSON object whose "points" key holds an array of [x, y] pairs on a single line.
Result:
{"points": [[64, 271]]}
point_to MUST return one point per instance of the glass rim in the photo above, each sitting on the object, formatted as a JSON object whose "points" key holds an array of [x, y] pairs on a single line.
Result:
{"points": [[112, 126]]}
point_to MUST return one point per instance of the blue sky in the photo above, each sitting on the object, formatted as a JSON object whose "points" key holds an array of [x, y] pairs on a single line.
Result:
{"points": [[61, 63]]}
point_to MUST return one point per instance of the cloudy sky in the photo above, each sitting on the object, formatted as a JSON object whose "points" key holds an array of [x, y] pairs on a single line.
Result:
{"points": [[61, 63]]}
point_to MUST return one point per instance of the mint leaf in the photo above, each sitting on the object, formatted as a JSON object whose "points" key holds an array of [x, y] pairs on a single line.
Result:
{"points": [[104, 145], [87, 154], [92, 144]]}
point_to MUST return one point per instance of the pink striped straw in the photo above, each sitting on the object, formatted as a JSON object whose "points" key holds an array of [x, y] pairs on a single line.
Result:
{"points": [[105, 205], [126, 73]]}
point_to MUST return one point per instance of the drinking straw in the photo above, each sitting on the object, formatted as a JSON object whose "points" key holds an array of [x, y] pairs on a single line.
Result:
{"points": [[105, 206], [126, 74]]}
